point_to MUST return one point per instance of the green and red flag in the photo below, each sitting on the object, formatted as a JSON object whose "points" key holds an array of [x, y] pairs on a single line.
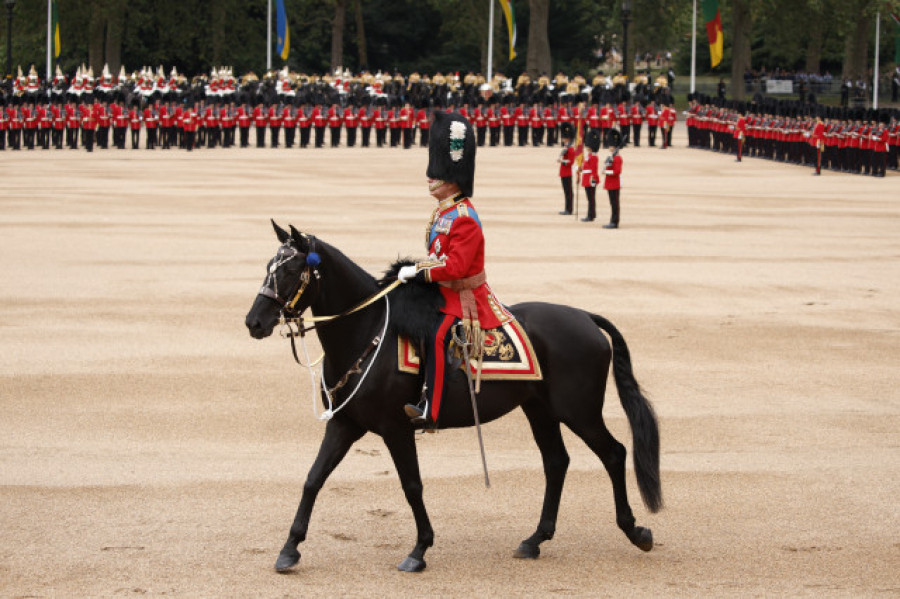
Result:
{"points": [[54, 29], [713, 19]]}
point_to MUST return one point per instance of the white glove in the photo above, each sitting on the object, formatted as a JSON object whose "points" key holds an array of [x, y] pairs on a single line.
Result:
{"points": [[406, 273]]}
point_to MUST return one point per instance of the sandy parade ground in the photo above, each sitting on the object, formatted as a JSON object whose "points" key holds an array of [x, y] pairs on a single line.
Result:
{"points": [[149, 446]]}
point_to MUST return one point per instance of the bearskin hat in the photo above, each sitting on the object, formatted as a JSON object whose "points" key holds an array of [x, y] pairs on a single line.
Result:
{"points": [[592, 140], [451, 151], [567, 131], [613, 138]]}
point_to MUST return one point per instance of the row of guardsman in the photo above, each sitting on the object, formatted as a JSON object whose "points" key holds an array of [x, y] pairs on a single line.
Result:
{"points": [[849, 140], [31, 123]]}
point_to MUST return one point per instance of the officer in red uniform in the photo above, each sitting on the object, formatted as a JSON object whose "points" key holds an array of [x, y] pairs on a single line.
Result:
{"points": [[189, 125], [335, 120], [456, 244], [566, 160], [652, 122], [276, 114], [243, 123], [134, 121], [151, 123], [407, 124], [351, 124], [260, 119], [424, 125], [588, 172], [817, 140], [289, 124], [612, 184]]}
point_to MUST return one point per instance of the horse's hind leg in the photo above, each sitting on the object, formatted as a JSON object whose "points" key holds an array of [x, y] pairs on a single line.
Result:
{"points": [[549, 439], [594, 433], [340, 435]]}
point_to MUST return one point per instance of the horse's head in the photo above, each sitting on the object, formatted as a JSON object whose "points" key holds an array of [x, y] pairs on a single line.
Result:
{"points": [[291, 283]]}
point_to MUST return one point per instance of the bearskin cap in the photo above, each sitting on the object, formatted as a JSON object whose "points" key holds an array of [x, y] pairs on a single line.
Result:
{"points": [[613, 138], [592, 140], [567, 131], [451, 151]]}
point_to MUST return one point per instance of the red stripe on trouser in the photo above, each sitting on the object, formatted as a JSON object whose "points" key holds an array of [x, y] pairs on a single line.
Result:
{"points": [[439, 360]]}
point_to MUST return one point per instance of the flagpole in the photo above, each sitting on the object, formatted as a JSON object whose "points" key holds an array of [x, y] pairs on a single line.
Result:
{"points": [[490, 61], [49, 36], [694, 50], [269, 38], [877, 45]]}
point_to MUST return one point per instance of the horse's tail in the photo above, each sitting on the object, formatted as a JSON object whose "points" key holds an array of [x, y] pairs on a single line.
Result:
{"points": [[641, 417]]}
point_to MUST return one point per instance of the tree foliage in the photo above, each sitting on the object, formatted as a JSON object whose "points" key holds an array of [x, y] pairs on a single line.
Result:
{"points": [[437, 35]]}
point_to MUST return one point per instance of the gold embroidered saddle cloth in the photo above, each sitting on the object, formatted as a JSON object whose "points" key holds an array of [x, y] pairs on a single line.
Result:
{"points": [[508, 355]]}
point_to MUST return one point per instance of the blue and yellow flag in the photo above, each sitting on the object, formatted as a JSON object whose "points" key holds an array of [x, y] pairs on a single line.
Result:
{"points": [[283, 43], [54, 30], [510, 14]]}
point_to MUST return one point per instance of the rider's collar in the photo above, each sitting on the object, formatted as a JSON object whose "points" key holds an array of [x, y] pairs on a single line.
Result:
{"points": [[450, 201]]}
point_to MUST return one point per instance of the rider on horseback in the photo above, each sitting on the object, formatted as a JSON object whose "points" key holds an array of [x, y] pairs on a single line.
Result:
{"points": [[455, 243]]}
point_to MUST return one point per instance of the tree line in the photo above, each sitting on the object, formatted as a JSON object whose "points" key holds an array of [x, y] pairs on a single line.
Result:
{"points": [[450, 35]]}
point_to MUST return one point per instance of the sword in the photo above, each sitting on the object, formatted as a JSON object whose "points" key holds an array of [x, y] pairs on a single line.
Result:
{"points": [[465, 349]]}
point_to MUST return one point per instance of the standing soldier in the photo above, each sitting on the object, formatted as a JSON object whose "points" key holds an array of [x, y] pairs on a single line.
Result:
{"points": [[424, 125], [612, 184], [566, 160], [259, 121], [493, 121], [15, 124], [88, 126], [289, 122], [507, 120], [607, 121], [588, 173], [4, 122], [134, 120], [652, 122], [380, 119], [624, 120], [276, 113], [364, 117], [334, 123], [351, 124], [480, 121], [407, 124], [740, 130], [637, 119], [189, 125], [303, 123], [243, 122], [44, 125], [536, 122], [550, 124], [29, 116], [393, 118], [521, 118], [104, 120], [73, 124], [166, 119], [151, 123]]}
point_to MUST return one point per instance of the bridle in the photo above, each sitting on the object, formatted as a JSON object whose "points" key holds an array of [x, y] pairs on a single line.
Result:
{"points": [[290, 318]]}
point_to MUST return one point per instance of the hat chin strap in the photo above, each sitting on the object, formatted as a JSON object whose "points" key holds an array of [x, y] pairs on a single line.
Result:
{"points": [[435, 185]]}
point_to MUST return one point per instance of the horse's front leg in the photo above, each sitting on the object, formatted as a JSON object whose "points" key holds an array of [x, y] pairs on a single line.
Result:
{"points": [[340, 435], [402, 445]]}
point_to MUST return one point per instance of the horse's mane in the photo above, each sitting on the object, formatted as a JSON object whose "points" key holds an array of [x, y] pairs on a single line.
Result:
{"points": [[415, 306]]}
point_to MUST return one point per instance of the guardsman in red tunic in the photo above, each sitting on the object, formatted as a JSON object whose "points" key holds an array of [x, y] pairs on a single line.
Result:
{"points": [[493, 121], [151, 123], [45, 123], [134, 121], [4, 122], [88, 126], [740, 131], [607, 120], [289, 124], [611, 183], [166, 124], [104, 120], [424, 126], [624, 120], [276, 113], [335, 120], [637, 119], [260, 118], [407, 124], [589, 172], [393, 120], [380, 119], [189, 125], [15, 124], [243, 122], [304, 122], [521, 118], [29, 116], [817, 140], [652, 122], [507, 120], [351, 124], [536, 122], [73, 125], [566, 160], [550, 125], [455, 241]]}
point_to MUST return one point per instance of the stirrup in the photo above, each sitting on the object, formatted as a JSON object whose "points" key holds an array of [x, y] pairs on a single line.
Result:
{"points": [[415, 413]]}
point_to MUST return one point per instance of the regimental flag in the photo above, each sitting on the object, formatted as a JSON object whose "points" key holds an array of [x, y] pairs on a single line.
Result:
{"points": [[54, 29], [283, 40], [579, 137], [713, 19], [510, 14]]}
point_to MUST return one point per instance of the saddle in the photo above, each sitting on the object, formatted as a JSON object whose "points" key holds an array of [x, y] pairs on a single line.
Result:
{"points": [[507, 355]]}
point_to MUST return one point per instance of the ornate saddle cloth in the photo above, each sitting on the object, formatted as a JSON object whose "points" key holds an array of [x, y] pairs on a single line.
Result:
{"points": [[508, 355]]}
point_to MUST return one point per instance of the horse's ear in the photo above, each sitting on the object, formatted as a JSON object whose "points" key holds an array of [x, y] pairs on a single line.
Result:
{"points": [[281, 233], [299, 238]]}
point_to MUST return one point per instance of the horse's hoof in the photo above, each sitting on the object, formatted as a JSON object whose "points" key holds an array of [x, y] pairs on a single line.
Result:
{"points": [[411, 564], [286, 561], [642, 538], [527, 551]]}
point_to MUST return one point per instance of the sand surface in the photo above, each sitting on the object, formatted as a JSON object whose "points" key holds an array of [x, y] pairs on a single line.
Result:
{"points": [[149, 446]]}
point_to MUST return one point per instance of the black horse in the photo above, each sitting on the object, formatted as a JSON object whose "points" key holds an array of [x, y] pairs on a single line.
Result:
{"points": [[573, 354]]}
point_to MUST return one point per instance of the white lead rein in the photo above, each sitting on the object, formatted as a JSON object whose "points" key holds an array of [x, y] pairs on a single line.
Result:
{"points": [[331, 411]]}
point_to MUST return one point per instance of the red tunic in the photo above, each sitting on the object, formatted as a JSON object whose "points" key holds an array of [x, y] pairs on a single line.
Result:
{"points": [[456, 244], [611, 181]]}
